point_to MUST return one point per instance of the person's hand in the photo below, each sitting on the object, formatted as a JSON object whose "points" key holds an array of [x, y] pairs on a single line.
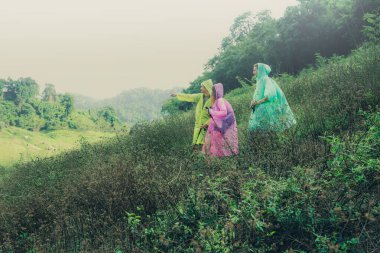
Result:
{"points": [[209, 110], [173, 94], [205, 126], [253, 103]]}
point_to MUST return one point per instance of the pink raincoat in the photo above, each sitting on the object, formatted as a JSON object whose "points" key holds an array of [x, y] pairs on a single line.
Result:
{"points": [[221, 137]]}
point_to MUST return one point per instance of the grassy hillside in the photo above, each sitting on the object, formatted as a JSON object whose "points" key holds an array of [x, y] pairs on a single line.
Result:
{"points": [[313, 188], [20, 145]]}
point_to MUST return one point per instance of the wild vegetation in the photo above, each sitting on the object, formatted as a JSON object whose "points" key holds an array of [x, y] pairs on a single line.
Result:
{"points": [[20, 145], [21, 106], [288, 44], [32, 124], [312, 188]]}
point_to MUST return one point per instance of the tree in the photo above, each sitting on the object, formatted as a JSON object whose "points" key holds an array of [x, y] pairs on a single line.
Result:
{"points": [[2, 86], [20, 91], [290, 43], [109, 115], [67, 101], [252, 36], [8, 113], [49, 94], [372, 30], [28, 118], [51, 113], [240, 29]]}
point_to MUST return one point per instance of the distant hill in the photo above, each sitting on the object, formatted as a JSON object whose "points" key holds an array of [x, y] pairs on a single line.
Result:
{"points": [[131, 106]]}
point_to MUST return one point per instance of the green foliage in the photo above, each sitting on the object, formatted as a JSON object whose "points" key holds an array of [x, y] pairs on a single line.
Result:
{"points": [[173, 106], [310, 210], [52, 113], [28, 118], [49, 94], [289, 44], [82, 121], [79, 175], [108, 115], [20, 145], [67, 102], [313, 188], [143, 192], [2, 85], [372, 29], [21, 90], [20, 107], [8, 113]]}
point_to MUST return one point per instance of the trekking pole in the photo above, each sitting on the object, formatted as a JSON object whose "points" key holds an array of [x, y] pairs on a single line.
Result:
{"points": [[229, 146]]}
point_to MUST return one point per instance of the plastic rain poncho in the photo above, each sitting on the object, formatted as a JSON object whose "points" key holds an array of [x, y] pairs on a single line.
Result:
{"points": [[274, 114], [221, 138], [201, 115]]}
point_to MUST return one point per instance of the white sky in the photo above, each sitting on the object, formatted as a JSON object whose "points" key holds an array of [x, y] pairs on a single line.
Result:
{"points": [[100, 48]]}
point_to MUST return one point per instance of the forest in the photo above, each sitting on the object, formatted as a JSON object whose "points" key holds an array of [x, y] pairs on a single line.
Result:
{"points": [[22, 106], [305, 34]]}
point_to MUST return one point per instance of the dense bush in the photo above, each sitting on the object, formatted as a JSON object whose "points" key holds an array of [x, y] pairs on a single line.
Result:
{"points": [[333, 210]]}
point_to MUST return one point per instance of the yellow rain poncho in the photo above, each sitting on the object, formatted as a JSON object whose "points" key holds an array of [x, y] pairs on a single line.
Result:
{"points": [[201, 115]]}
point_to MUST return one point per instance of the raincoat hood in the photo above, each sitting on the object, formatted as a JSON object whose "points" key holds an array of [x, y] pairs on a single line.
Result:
{"points": [[218, 91], [263, 70], [208, 85]]}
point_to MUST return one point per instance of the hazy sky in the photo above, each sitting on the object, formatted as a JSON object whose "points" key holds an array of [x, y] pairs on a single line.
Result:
{"points": [[100, 48]]}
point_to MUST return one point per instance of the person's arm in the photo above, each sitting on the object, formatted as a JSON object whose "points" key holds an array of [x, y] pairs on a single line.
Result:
{"points": [[187, 97], [258, 102], [220, 111], [205, 125], [260, 96]]}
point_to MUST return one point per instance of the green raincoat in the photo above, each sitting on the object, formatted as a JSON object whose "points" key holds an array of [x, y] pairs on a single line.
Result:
{"points": [[201, 115], [274, 114]]}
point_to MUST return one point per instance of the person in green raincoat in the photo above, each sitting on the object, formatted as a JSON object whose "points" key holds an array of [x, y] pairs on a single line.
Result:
{"points": [[270, 109], [202, 116]]}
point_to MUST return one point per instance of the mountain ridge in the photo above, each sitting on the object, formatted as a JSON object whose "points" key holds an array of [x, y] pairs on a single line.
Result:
{"points": [[131, 106]]}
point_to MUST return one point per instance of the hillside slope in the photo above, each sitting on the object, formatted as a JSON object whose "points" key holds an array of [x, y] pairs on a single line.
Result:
{"points": [[313, 188], [20, 145]]}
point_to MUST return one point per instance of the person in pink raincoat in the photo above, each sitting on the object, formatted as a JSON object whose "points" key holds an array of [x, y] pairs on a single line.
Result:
{"points": [[221, 137]]}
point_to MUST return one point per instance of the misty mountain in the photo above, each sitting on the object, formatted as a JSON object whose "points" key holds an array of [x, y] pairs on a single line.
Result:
{"points": [[131, 106]]}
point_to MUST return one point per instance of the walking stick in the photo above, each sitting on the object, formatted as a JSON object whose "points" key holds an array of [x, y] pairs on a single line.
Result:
{"points": [[229, 146]]}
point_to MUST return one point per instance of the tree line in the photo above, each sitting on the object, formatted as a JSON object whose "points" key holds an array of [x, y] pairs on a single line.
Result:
{"points": [[288, 44], [21, 105]]}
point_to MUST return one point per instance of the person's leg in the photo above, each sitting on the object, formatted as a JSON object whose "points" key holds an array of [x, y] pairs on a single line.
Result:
{"points": [[199, 152], [195, 151]]}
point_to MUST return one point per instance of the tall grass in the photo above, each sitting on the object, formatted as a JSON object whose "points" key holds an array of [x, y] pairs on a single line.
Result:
{"points": [[312, 188]]}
